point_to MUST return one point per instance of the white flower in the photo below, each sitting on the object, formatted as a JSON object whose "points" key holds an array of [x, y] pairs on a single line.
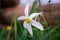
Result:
{"points": [[28, 20]]}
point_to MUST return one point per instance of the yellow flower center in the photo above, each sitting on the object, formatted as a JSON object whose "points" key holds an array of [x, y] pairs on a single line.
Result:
{"points": [[27, 20], [9, 28]]}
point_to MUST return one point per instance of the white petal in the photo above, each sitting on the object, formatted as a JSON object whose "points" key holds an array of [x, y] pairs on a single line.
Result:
{"points": [[37, 24], [41, 13], [28, 27], [34, 15], [21, 18], [26, 10]]}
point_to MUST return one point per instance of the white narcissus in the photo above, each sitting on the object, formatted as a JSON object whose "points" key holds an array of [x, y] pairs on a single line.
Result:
{"points": [[28, 20]]}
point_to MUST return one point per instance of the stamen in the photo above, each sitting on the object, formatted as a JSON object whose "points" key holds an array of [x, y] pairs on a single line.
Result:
{"points": [[27, 20]]}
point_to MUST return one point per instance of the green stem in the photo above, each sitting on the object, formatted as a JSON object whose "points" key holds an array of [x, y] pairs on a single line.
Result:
{"points": [[15, 29], [50, 17], [41, 33], [10, 30], [8, 35], [33, 7]]}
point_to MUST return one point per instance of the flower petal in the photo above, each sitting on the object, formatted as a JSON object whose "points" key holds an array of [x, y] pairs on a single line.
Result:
{"points": [[35, 14], [21, 18], [37, 24], [26, 10], [41, 13], [28, 27]]}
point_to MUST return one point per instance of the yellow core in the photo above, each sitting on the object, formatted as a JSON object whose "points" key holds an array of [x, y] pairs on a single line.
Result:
{"points": [[27, 20], [9, 28]]}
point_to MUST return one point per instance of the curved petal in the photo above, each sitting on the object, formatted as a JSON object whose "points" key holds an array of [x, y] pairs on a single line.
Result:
{"points": [[26, 10], [37, 24], [35, 14], [28, 27], [41, 13], [21, 18]]}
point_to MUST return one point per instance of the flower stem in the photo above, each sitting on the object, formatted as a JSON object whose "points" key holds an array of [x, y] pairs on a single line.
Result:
{"points": [[8, 35], [41, 33], [15, 29], [10, 30], [50, 17]]}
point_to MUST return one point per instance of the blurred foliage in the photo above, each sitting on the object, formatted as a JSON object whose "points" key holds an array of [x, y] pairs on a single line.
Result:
{"points": [[49, 33], [19, 33]]}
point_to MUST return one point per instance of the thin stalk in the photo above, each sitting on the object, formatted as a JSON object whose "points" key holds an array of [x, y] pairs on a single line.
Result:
{"points": [[44, 19], [39, 2], [42, 14], [50, 17], [39, 6], [15, 29], [10, 30], [41, 33], [8, 35], [15, 26], [50, 8]]}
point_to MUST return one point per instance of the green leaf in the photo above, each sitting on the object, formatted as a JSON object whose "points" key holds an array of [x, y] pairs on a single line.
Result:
{"points": [[33, 7], [20, 27], [24, 35], [2, 33], [15, 29], [45, 36]]}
